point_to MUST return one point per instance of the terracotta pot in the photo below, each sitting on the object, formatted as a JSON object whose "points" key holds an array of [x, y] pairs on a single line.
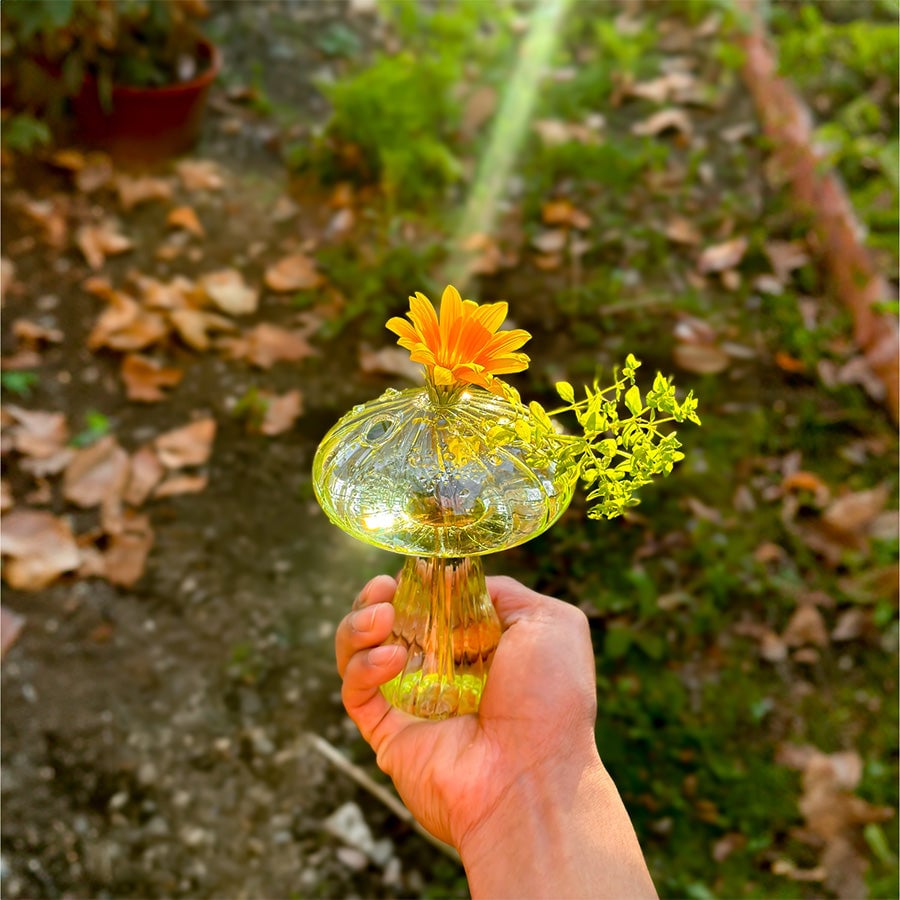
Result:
{"points": [[147, 124]]}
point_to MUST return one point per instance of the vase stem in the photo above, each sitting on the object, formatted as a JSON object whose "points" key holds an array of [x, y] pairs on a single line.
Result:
{"points": [[446, 621]]}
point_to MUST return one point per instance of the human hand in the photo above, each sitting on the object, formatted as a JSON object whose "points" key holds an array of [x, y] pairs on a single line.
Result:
{"points": [[537, 712]]}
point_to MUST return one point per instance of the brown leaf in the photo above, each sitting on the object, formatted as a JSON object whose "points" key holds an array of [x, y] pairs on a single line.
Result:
{"points": [[293, 273], [185, 217], [181, 484], [727, 844], [38, 434], [96, 172], [719, 257], [126, 325], [126, 555], [11, 625], [41, 548], [682, 231], [199, 175], [785, 256], [676, 86], [389, 361], [7, 276], [97, 242], [807, 481], [281, 413], [854, 512], [550, 241], [145, 472], [133, 191], [144, 378], [190, 445], [806, 626], [7, 500], [194, 326], [50, 215], [564, 212], [704, 359], [266, 344], [663, 120], [32, 335], [228, 290], [479, 107], [97, 474]]}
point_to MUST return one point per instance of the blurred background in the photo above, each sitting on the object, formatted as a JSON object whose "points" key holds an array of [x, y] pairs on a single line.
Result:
{"points": [[209, 211]]}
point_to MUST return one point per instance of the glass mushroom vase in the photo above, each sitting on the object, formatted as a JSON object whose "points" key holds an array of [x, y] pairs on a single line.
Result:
{"points": [[418, 472]]}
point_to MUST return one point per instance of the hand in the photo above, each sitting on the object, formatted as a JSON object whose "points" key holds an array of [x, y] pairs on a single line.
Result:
{"points": [[519, 788], [539, 704]]}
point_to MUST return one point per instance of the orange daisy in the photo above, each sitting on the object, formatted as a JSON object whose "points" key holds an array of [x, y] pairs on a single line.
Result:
{"points": [[464, 346]]}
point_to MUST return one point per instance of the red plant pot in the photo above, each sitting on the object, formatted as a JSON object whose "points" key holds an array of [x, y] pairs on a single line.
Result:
{"points": [[147, 125]]}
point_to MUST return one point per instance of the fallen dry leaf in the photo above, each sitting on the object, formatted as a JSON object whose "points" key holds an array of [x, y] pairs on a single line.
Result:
{"points": [[854, 512], [31, 335], [50, 214], [682, 231], [833, 813], [145, 378], [267, 344], [96, 172], [704, 359], [564, 212], [190, 445], [145, 472], [181, 484], [228, 290], [37, 433], [665, 119], [194, 326], [281, 413], [550, 241], [7, 500], [11, 625], [126, 555], [676, 86], [389, 361], [199, 175], [126, 325], [97, 474], [133, 191], [478, 109], [806, 626], [293, 273], [41, 547], [719, 257], [185, 217], [7, 276], [97, 242], [785, 256]]}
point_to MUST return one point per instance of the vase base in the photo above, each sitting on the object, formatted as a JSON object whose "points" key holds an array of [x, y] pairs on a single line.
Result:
{"points": [[445, 621], [433, 696]]}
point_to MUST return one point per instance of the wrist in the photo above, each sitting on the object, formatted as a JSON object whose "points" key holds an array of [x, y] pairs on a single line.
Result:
{"points": [[559, 830]]}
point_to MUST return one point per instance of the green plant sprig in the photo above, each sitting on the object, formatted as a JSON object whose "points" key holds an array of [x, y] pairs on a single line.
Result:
{"points": [[616, 454]]}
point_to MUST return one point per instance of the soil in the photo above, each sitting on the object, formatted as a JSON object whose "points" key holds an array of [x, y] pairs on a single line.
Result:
{"points": [[154, 739]]}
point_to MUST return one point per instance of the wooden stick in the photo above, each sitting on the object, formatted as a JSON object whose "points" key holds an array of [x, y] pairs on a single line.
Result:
{"points": [[364, 780]]}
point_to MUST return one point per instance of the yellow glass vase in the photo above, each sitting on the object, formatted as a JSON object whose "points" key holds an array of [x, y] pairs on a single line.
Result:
{"points": [[416, 472]]}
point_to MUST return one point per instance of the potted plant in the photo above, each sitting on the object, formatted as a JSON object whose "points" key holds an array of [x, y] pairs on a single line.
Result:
{"points": [[135, 72]]}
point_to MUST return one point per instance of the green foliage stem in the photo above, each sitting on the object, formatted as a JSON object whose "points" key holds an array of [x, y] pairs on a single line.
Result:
{"points": [[620, 449]]}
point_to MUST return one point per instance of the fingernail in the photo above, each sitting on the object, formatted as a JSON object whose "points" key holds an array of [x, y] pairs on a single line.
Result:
{"points": [[363, 620], [384, 655]]}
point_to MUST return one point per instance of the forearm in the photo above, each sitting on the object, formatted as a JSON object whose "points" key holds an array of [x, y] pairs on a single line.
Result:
{"points": [[568, 836]]}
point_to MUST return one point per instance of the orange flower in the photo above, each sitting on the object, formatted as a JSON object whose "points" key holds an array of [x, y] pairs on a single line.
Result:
{"points": [[464, 347]]}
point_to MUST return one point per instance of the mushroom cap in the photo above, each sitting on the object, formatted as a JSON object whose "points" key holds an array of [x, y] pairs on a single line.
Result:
{"points": [[409, 474]]}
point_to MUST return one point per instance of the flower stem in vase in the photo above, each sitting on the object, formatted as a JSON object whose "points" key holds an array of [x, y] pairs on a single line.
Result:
{"points": [[445, 619]]}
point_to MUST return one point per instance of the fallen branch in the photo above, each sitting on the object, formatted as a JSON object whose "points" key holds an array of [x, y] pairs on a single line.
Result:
{"points": [[365, 781], [848, 265]]}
